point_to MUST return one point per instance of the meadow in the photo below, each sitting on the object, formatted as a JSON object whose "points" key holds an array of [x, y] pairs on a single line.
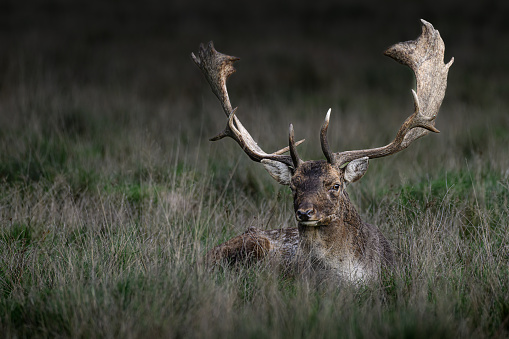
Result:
{"points": [[111, 193]]}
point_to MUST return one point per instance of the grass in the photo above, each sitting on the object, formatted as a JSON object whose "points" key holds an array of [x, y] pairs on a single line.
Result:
{"points": [[110, 193]]}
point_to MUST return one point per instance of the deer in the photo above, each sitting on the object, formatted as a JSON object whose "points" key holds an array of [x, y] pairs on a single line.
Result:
{"points": [[330, 237]]}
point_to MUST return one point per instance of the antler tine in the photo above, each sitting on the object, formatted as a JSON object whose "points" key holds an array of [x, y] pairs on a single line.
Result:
{"points": [[217, 67], [425, 57], [323, 139], [293, 150]]}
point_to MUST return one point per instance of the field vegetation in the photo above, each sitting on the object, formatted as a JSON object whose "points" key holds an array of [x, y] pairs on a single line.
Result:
{"points": [[111, 193]]}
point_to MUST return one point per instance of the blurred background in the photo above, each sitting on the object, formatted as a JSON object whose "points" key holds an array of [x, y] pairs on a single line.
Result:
{"points": [[89, 68]]}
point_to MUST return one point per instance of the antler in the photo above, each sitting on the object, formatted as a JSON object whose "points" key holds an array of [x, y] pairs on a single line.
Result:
{"points": [[425, 57], [217, 67]]}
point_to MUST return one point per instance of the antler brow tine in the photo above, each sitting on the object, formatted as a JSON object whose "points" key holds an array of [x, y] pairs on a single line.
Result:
{"points": [[323, 139], [293, 150]]}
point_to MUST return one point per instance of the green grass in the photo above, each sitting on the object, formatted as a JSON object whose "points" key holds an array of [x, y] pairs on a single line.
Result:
{"points": [[97, 244], [110, 193]]}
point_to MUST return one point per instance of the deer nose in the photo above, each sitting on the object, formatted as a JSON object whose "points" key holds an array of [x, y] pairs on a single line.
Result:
{"points": [[303, 215]]}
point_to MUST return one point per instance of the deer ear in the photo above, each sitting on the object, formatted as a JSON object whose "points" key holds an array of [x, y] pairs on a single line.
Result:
{"points": [[279, 171], [356, 169]]}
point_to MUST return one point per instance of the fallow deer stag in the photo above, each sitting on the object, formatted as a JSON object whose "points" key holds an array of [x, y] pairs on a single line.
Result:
{"points": [[330, 237]]}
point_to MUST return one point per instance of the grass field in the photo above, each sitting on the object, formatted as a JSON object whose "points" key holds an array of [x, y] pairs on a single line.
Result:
{"points": [[111, 193]]}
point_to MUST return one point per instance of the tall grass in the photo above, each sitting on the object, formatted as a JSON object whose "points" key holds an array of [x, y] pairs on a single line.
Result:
{"points": [[110, 193]]}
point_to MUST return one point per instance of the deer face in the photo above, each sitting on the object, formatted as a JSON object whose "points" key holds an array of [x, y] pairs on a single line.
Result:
{"points": [[318, 187]]}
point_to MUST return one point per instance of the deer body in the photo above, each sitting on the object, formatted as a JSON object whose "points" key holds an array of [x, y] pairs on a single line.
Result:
{"points": [[331, 237]]}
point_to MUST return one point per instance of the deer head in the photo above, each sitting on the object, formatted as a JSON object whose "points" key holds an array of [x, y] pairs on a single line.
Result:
{"points": [[319, 186]]}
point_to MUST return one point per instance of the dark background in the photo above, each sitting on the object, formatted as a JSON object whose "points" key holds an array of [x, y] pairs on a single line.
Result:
{"points": [[298, 59], [146, 44]]}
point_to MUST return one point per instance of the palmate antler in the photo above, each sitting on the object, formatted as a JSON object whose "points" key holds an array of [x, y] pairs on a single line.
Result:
{"points": [[425, 57], [217, 67]]}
